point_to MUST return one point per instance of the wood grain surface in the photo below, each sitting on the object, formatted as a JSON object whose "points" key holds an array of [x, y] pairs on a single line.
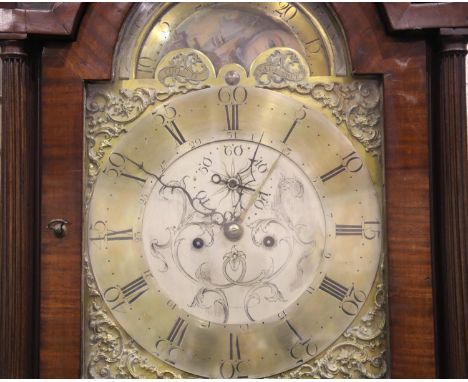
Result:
{"points": [[419, 16], [18, 234], [402, 65], [451, 211], [65, 67], [61, 20]]}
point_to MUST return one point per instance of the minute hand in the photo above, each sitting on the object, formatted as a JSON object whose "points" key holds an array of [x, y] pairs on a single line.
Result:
{"points": [[257, 192]]}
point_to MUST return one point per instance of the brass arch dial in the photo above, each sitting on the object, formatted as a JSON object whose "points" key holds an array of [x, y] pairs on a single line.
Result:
{"points": [[231, 33], [234, 222]]}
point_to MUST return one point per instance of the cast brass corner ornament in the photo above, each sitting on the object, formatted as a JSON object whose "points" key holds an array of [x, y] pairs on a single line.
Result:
{"points": [[358, 353], [357, 104]]}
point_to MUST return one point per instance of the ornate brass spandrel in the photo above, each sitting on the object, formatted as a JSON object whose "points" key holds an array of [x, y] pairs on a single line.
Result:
{"points": [[357, 103], [109, 109], [109, 351], [361, 351]]}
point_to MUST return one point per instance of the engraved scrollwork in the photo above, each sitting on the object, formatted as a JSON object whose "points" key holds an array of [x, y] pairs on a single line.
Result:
{"points": [[185, 69], [280, 68]]}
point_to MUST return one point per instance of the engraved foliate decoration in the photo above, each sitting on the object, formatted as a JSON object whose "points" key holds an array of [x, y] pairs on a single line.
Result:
{"points": [[278, 68], [282, 231], [186, 68]]}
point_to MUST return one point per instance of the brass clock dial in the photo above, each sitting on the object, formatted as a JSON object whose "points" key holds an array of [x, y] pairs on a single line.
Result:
{"points": [[234, 199], [234, 239]]}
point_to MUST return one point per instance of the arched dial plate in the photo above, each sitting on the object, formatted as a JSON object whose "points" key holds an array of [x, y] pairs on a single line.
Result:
{"points": [[230, 33], [220, 306]]}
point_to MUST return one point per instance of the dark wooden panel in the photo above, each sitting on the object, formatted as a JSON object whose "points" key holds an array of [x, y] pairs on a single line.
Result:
{"points": [[17, 213], [413, 16], [451, 210], [65, 66], [61, 20], [403, 66]]}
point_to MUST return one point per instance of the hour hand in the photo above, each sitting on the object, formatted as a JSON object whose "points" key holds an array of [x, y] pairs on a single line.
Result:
{"points": [[233, 183]]}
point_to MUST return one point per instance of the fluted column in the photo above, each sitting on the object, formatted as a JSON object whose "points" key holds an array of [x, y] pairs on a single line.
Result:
{"points": [[451, 211], [17, 216]]}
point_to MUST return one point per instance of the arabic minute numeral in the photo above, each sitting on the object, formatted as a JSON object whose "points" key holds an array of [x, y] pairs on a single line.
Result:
{"points": [[118, 166], [350, 305], [350, 162], [195, 143], [231, 367], [315, 43], [371, 229], [300, 116], [232, 98], [146, 64], [350, 298], [286, 11], [167, 118]]}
